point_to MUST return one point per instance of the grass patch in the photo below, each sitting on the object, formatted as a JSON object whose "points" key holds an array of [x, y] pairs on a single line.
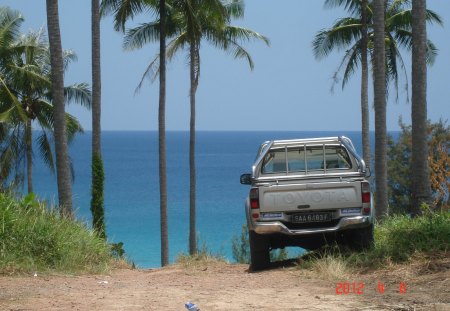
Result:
{"points": [[328, 263], [34, 237], [398, 239], [204, 256]]}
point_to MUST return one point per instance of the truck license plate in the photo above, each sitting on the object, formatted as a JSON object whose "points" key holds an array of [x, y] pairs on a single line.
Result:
{"points": [[311, 217]]}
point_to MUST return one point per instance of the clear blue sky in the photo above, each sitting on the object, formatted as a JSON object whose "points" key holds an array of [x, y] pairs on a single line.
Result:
{"points": [[288, 89]]}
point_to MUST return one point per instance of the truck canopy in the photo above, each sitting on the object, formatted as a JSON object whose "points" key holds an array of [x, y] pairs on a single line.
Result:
{"points": [[317, 157]]}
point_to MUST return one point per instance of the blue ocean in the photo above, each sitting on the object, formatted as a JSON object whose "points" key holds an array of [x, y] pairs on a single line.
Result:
{"points": [[132, 187]]}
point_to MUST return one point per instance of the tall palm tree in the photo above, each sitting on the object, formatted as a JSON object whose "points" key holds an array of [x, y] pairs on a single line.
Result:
{"points": [[379, 77], [57, 68], [162, 136], [98, 177], [194, 21], [355, 34], [421, 188], [365, 84], [124, 10]]}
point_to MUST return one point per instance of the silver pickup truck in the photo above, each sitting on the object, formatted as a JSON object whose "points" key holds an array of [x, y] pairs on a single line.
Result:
{"points": [[307, 193]]}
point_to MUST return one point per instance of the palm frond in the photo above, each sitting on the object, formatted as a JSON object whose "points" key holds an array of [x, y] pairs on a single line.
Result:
{"points": [[45, 150], [237, 34], [79, 93], [73, 127], [45, 115], [352, 60], [28, 76], [137, 37], [238, 51], [351, 6], [14, 100], [151, 72], [235, 8], [68, 57], [431, 53], [124, 10], [340, 36], [6, 115], [179, 43], [10, 22]]}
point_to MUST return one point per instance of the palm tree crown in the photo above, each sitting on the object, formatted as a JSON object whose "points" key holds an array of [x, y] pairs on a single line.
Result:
{"points": [[28, 79], [346, 34]]}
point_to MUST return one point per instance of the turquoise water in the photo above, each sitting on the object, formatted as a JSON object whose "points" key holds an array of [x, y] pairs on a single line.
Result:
{"points": [[132, 187]]}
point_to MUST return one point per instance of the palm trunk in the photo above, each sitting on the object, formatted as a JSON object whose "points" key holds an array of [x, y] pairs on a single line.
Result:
{"points": [[96, 79], [192, 174], [29, 147], [61, 148], [97, 201], [381, 199], [364, 88], [162, 137], [421, 189]]}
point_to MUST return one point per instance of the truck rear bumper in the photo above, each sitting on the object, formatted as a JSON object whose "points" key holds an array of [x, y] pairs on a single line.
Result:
{"points": [[278, 227]]}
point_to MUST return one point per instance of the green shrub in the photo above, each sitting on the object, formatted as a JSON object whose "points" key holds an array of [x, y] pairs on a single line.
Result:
{"points": [[35, 238], [399, 237]]}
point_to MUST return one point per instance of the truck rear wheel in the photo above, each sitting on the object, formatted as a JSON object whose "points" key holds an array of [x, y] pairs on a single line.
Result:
{"points": [[361, 239], [259, 251]]}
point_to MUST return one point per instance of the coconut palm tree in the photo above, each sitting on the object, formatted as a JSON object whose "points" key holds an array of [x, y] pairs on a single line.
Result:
{"points": [[98, 176], [365, 83], [194, 21], [10, 22], [421, 188], [162, 135], [63, 173], [379, 77], [29, 80], [355, 34], [123, 10]]}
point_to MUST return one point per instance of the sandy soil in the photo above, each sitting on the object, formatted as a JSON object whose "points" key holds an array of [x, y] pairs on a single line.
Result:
{"points": [[220, 286]]}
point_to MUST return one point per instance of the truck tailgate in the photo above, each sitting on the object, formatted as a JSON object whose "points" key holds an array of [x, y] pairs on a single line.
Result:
{"points": [[311, 196]]}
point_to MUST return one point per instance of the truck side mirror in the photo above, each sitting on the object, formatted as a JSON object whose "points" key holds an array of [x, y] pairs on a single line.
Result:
{"points": [[246, 179], [368, 172]]}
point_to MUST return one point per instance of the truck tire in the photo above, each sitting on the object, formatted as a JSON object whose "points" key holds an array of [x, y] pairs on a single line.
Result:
{"points": [[259, 251], [361, 239]]}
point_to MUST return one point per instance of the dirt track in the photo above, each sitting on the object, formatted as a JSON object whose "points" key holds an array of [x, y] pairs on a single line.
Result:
{"points": [[219, 286]]}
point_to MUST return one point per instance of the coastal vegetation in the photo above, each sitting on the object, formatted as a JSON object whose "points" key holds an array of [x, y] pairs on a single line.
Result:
{"points": [[35, 238], [27, 100], [399, 161]]}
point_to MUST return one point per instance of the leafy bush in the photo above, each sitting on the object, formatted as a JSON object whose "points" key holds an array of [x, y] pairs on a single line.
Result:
{"points": [[35, 238], [399, 167]]}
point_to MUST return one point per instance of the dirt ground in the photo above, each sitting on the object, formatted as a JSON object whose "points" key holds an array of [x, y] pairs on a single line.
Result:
{"points": [[221, 286]]}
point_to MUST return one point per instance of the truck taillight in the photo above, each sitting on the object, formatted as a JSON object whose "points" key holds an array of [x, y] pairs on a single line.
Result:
{"points": [[365, 192], [254, 198]]}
